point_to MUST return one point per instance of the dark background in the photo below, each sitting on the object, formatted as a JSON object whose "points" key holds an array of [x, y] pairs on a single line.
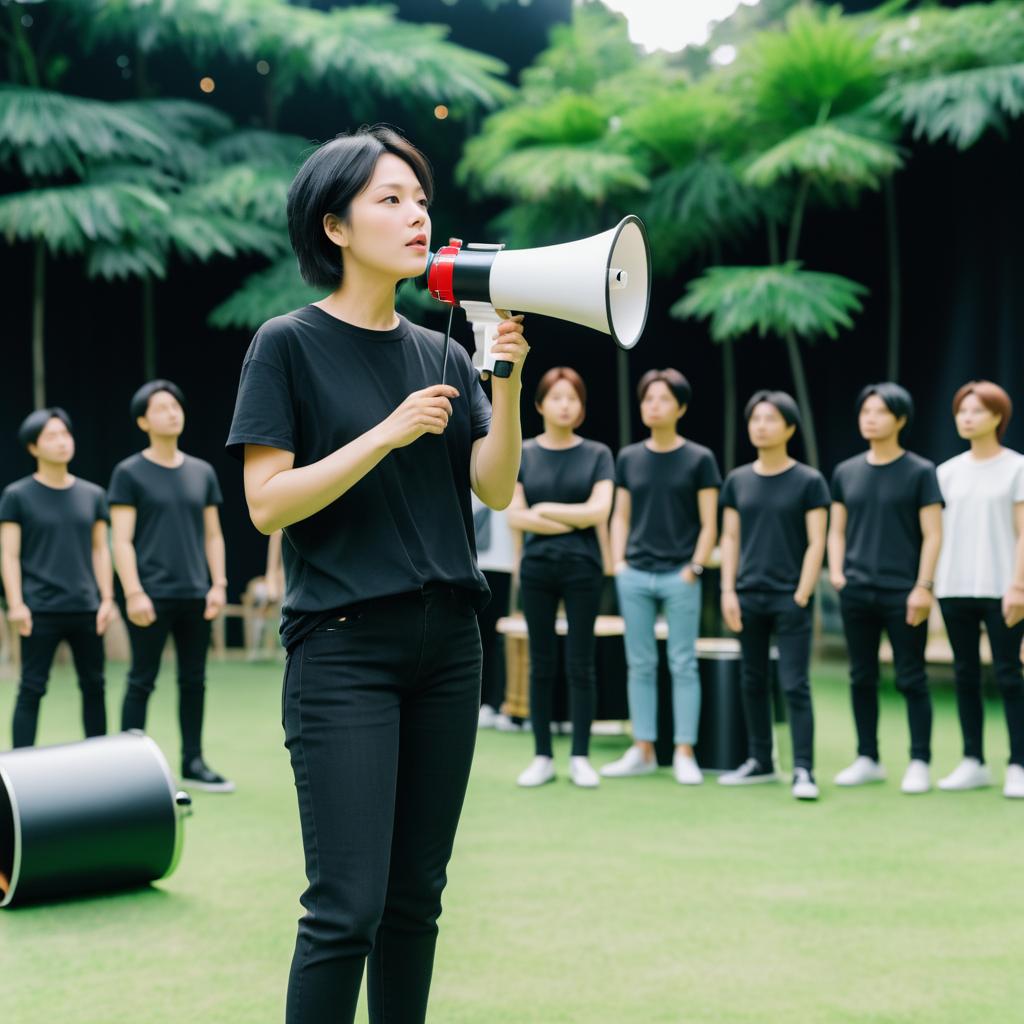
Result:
{"points": [[961, 219]]}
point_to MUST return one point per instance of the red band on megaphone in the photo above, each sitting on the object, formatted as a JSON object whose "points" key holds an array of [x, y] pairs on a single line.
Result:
{"points": [[442, 271]]}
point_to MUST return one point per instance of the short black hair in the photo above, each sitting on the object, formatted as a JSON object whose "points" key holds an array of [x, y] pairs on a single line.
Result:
{"points": [[782, 401], [32, 425], [896, 398], [331, 177], [673, 379], [140, 400]]}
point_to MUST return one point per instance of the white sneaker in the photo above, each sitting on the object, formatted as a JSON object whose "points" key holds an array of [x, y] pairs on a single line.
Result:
{"points": [[970, 773], [487, 718], [748, 773], [686, 770], [505, 724], [1014, 785], [917, 778], [864, 769], [581, 773], [631, 763], [804, 786], [540, 770]]}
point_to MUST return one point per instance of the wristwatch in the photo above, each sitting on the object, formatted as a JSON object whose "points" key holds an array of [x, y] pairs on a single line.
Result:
{"points": [[696, 569]]}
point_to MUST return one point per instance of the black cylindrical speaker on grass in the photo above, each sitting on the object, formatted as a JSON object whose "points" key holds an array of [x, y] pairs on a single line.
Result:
{"points": [[88, 817]]}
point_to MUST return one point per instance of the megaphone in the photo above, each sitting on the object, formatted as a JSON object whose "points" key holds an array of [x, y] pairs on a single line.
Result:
{"points": [[602, 282]]}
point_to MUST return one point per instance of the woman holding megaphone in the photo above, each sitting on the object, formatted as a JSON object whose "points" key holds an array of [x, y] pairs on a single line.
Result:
{"points": [[565, 490], [366, 461]]}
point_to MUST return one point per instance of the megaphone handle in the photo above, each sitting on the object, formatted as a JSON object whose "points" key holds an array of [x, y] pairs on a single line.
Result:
{"points": [[502, 368]]}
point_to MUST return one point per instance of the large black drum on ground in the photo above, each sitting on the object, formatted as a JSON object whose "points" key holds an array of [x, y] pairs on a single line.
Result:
{"points": [[87, 817]]}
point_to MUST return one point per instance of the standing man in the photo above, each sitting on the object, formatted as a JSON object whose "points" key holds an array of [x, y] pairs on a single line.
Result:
{"points": [[169, 554], [56, 572], [883, 544]]}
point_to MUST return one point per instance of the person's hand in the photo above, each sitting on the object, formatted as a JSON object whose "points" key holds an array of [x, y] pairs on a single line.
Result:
{"points": [[731, 611], [838, 579], [216, 598], [104, 614], [140, 609], [423, 412], [801, 600], [20, 617], [509, 345], [689, 576], [1013, 606], [919, 606]]}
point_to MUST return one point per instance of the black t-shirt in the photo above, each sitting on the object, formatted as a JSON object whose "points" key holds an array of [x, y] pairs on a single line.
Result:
{"points": [[56, 542], [883, 525], [664, 515], [311, 384], [773, 527], [169, 541], [565, 475]]}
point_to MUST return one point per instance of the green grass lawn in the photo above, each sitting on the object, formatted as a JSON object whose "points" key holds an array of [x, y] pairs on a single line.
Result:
{"points": [[643, 901]]}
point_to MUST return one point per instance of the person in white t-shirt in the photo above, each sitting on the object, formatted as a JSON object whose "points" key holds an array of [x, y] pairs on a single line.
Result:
{"points": [[980, 577]]}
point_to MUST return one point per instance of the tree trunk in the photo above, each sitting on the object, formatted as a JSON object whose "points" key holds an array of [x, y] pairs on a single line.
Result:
{"points": [[38, 311], [622, 386], [148, 329], [729, 412], [803, 398], [895, 295]]}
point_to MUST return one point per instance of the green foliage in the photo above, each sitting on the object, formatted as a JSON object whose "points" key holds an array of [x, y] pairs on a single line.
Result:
{"points": [[269, 293], [777, 300]]}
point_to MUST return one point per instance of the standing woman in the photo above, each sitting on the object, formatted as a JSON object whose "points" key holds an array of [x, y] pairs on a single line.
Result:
{"points": [[353, 448], [980, 579], [773, 542], [565, 490], [663, 532]]}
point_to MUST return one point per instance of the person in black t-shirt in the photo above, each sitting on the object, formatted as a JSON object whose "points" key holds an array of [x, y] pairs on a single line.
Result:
{"points": [[169, 554], [367, 462], [883, 546], [564, 492], [775, 514], [56, 571], [663, 531]]}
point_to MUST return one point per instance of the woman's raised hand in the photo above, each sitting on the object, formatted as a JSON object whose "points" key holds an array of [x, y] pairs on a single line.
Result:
{"points": [[423, 412]]}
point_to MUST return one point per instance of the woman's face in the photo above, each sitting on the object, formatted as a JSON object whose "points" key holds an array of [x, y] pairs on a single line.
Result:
{"points": [[55, 443], [767, 427], [658, 407], [561, 406], [974, 420], [876, 421], [387, 230]]}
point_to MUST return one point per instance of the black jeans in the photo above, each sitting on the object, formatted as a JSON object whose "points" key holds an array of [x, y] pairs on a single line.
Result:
{"points": [[492, 690], [767, 613], [37, 651], [964, 617], [183, 619], [866, 612], [379, 711], [543, 582]]}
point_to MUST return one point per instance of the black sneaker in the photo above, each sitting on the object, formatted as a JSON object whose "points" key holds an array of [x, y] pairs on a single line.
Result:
{"points": [[748, 773], [197, 775]]}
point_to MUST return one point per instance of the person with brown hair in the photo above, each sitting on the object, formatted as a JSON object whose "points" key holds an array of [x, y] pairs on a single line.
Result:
{"points": [[564, 491], [980, 577]]}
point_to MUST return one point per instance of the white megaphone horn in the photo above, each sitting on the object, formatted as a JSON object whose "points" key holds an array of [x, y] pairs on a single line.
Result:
{"points": [[603, 282]]}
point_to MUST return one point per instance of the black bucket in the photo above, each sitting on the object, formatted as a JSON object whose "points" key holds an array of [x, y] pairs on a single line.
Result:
{"points": [[80, 818]]}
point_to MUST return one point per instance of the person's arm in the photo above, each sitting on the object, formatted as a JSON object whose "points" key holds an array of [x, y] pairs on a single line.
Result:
{"points": [[274, 573], [494, 461], [213, 543], [730, 551], [579, 516], [279, 495], [707, 507], [919, 600], [621, 518], [1013, 599], [18, 613], [816, 520], [523, 518], [837, 545], [104, 574], [139, 606]]}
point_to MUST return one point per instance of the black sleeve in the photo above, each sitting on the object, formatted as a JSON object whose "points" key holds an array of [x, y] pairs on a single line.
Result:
{"points": [[264, 412], [707, 473], [10, 507], [604, 468], [727, 496], [102, 509], [122, 489], [213, 495], [928, 490], [620, 470], [816, 493]]}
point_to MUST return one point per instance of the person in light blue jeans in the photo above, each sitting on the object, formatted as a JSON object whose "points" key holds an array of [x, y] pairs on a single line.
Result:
{"points": [[664, 528]]}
